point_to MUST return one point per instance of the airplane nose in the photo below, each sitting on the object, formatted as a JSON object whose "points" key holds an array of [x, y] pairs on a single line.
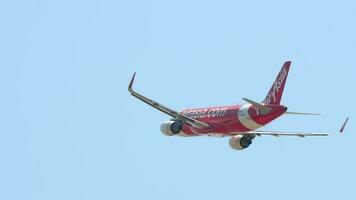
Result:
{"points": [[285, 108]]}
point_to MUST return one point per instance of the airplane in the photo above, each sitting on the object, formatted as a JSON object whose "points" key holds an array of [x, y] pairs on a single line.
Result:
{"points": [[239, 122]]}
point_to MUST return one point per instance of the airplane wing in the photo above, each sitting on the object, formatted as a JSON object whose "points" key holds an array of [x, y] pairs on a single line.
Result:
{"points": [[284, 133], [168, 111], [299, 134]]}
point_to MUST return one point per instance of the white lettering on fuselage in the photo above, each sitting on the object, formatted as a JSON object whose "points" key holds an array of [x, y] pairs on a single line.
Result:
{"points": [[205, 113], [276, 86]]}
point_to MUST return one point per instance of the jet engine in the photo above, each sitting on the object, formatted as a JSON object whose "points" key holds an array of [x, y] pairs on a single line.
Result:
{"points": [[170, 128], [240, 142]]}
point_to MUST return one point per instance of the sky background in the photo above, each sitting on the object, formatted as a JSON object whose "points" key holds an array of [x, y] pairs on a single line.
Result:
{"points": [[70, 130]]}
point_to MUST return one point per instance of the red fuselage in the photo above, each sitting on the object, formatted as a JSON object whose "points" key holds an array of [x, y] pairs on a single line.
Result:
{"points": [[240, 122], [229, 120]]}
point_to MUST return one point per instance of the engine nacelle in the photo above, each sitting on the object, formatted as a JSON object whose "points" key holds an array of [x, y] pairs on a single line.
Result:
{"points": [[171, 127], [240, 142]]}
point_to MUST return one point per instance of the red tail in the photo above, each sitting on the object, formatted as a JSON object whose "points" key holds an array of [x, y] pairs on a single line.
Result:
{"points": [[274, 95]]}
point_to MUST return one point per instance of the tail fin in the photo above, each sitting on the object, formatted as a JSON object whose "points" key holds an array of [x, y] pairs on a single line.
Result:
{"points": [[274, 95]]}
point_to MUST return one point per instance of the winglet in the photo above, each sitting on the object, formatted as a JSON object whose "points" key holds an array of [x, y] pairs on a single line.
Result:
{"points": [[131, 82], [343, 125]]}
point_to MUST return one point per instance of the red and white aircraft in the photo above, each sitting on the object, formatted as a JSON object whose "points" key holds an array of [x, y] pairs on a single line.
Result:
{"points": [[240, 122]]}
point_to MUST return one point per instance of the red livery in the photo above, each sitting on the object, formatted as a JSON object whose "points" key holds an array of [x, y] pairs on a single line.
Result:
{"points": [[240, 122]]}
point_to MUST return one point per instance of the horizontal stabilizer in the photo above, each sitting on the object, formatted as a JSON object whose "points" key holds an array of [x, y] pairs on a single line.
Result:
{"points": [[300, 113], [257, 105]]}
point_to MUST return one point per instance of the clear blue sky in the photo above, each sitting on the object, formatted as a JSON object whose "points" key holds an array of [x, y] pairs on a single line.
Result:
{"points": [[70, 130]]}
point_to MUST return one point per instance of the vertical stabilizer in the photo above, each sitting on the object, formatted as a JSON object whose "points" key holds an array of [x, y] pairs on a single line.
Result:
{"points": [[274, 95]]}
